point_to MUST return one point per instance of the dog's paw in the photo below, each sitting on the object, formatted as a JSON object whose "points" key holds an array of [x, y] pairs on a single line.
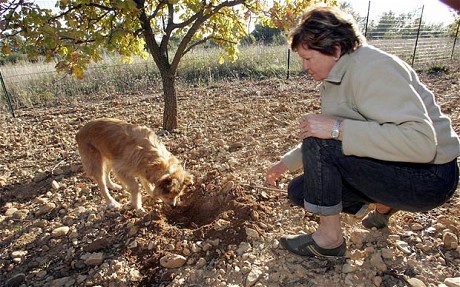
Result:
{"points": [[114, 204], [140, 211]]}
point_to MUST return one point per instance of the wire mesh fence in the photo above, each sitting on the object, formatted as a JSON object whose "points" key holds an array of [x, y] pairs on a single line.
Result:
{"points": [[408, 36]]}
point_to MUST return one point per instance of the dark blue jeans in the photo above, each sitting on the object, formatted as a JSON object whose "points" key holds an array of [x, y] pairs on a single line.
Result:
{"points": [[334, 183]]}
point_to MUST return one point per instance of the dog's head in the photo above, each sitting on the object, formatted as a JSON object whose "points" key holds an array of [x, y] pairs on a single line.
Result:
{"points": [[172, 184]]}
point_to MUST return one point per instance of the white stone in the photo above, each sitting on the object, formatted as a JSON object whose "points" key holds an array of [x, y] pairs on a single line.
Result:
{"points": [[403, 246], [450, 240], [452, 282], [416, 226], [414, 282], [18, 254], [253, 276], [60, 231], [55, 185], [252, 233], [10, 211]]}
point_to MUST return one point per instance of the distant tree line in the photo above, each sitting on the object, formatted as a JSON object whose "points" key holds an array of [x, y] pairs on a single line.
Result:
{"points": [[389, 26], [405, 25]]}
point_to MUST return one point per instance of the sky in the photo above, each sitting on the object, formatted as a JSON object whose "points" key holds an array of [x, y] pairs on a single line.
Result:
{"points": [[434, 11]]}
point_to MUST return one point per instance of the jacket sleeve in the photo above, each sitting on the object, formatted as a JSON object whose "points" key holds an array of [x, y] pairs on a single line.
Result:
{"points": [[293, 158], [397, 126]]}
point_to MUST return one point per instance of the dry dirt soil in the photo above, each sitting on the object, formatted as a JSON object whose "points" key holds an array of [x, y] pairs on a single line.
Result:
{"points": [[55, 230]]}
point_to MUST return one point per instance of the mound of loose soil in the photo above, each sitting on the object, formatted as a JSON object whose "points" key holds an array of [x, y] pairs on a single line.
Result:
{"points": [[55, 230]]}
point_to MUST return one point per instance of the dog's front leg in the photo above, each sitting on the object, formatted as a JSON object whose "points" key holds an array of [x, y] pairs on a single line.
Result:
{"points": [[133, 188], [111, 202]]}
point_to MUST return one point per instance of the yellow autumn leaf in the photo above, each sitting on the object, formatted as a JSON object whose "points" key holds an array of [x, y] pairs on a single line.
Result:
{"points": [[77, 71], [6, 50]]}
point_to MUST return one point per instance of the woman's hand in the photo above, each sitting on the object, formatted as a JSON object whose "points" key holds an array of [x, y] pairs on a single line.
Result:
{"points": [[318, 126], [275, 172]]}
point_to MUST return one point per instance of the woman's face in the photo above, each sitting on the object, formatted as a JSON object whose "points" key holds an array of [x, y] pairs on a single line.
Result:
{"points": [[317, 64]]}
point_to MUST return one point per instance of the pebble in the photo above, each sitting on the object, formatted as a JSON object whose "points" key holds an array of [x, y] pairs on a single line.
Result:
{"points": [[403, 246], [62, 282], [253, 276], [416, 226], [10, 211], [358, 236], [97, 245], [21, 214], [172, 260], [45, 208], [18, 254], [348, 268], [452, 282], [200, 263], [450, 240], [377, 261], [60, 231], [387, 253], [415, 282], [16, 280], [252, 233], [40, 175], [243, 247], [221, 224], [55, 185], [94, 259]]}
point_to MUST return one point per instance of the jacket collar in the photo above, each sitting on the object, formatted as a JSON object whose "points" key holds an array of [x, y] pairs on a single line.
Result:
{"points": [[338, 71]]}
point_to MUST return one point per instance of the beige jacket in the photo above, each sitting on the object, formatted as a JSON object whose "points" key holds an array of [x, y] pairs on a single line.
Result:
{"points": [[388, 113]]}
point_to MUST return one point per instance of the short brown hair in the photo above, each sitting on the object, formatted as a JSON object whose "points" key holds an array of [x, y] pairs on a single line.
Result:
{"points": [[324, 28]]}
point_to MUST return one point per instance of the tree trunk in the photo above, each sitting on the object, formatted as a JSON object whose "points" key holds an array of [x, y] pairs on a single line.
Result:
{"points": [[170, 99]]}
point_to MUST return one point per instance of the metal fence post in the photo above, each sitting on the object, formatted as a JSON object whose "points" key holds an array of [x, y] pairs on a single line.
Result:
{"points": [[288, 63], [418, 34], [367, 19], [455, 41], [7, 96]]}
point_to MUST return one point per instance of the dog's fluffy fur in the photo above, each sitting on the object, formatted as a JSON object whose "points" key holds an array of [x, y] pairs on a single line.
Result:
{"points": [[131, 152]]}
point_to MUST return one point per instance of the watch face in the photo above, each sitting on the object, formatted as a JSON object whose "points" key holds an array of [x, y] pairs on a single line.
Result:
{"points": [[336, 129], [335, 133]]}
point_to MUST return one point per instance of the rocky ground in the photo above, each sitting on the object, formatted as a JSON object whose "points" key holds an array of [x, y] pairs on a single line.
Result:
{"points": [[55, 231]]}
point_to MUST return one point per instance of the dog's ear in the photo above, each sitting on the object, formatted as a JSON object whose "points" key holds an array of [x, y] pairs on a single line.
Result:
{"points": [[169, 184]]}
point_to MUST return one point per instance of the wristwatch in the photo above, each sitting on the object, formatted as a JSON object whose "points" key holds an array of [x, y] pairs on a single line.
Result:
{"points": [[336, 129]]}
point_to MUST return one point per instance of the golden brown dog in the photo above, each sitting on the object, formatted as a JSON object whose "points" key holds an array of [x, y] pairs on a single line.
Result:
{"points": [[131, 152]]}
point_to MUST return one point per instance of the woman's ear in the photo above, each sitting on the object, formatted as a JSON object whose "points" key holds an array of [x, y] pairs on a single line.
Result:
{"points": [[337, 53]]}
